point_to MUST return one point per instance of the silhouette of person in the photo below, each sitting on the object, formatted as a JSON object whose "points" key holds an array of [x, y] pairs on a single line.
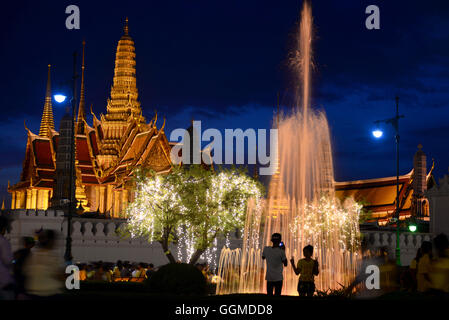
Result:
{"points": [[424, 267], [6, 258], [20, 257], [276, 261], [44, 270], [308, 269]]}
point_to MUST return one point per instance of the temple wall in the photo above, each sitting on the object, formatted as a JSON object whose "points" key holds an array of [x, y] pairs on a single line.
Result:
{"points": [[96, 239], [409, 243], [439, 206], [92, 239]]}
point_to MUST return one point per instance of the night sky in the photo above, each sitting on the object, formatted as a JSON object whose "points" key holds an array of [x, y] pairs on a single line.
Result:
{"points": [[223, 62]]}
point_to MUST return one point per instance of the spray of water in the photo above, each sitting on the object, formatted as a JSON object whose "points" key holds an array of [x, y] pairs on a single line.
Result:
{"points": [[301, 204]]}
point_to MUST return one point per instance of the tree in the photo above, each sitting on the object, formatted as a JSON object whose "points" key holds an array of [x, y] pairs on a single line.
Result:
{"points": [[216, 203], [157, 209], [196, 201]]}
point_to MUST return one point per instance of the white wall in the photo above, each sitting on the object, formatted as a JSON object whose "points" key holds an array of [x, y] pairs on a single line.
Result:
{"points": [[439, 207], [96, 239], [92, 239]]}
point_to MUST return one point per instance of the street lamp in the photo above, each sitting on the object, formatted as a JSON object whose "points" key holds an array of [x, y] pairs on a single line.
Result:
{"points": [[377, 134], [59, 98], [71, 202]]}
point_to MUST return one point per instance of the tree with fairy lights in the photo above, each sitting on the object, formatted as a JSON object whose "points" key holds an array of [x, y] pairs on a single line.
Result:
{"points": [[157, 209], [190, 204]]}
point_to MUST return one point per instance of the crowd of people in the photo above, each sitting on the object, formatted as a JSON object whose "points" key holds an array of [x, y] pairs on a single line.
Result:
{"points": [[127, 271], [120, 271], [36, 270], [427, 273], [27, 273], [429, 270]]}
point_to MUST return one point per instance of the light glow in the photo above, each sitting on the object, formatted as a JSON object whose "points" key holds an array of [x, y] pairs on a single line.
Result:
{"points": [[378, 134], [59, 98], [160, 203]]}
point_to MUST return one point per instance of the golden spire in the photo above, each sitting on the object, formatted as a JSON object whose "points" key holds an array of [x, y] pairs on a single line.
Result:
{"points": [[124, 92], [47, 122], [126, 29], [81, 112]]}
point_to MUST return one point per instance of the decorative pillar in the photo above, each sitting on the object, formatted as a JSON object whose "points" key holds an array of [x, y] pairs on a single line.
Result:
{"points": [[96, 196], [13, 200], [45, 198], [101, 203], [28, 199], [116, 203], [109, 198], [22, 199], [38, 199], [124, 202], [34, 199], [19, 200]]}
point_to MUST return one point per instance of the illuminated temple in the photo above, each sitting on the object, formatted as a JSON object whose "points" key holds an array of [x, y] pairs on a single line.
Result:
{"points": [[378, 196], [122, 140], [106, 152]]}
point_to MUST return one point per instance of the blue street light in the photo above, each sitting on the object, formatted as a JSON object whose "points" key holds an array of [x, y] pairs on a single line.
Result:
{"points": [[378, 133], [59, 98]]}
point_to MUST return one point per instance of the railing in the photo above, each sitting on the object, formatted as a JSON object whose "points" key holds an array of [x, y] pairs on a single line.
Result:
{"points": [[98, 239], [409, 243]]}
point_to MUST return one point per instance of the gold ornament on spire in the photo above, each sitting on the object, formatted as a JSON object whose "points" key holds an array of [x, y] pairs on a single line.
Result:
{"points": [[47, 122], [126, 29]]}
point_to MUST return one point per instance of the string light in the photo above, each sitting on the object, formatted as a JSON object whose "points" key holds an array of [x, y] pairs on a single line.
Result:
{"points": [[194, 219]]}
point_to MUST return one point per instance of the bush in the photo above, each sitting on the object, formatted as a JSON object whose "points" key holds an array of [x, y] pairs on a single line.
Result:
{"points": [[178, 279]]}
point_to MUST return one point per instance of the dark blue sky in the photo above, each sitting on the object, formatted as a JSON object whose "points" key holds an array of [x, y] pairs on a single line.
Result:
{"points": [[223, 62]]}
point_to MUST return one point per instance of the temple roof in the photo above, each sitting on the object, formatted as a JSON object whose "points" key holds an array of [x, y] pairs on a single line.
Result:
{"points": [[379, 195]]}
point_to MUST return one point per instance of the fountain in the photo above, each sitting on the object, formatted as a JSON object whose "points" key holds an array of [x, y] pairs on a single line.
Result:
{"points": [[301, 204]]}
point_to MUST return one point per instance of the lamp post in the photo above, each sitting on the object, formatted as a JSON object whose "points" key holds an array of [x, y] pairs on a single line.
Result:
{"points": [[68, 247], [378, 133]]}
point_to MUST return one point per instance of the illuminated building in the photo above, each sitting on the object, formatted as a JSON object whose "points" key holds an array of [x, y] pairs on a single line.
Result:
{"points": [[378, 196], [107, 152]]}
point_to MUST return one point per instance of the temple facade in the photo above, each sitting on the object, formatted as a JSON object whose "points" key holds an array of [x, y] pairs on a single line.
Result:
{"points": [[106, 152], [378, 196]]}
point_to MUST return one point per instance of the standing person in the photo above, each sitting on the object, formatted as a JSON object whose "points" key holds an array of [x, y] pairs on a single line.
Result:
{"points": [[276, 261], [440, 267], [20, 257], [307, 268], [44, 270], [6, 258], [424, 267], [414, 269]]}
